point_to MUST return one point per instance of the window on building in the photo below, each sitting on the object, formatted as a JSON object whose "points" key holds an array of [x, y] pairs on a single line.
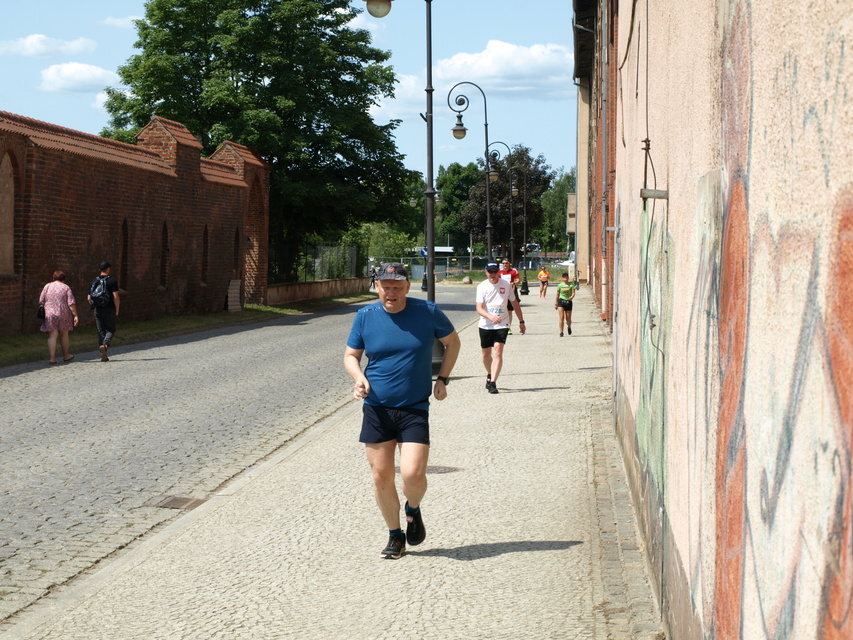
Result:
{"points": [[7, 216], [164, 256]]}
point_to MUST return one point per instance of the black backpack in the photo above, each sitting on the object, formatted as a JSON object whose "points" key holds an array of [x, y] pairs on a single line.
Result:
{"points": [[99, 292]]}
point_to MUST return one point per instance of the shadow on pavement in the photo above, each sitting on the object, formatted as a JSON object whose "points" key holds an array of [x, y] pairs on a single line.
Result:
{"points": [[492, 549]]}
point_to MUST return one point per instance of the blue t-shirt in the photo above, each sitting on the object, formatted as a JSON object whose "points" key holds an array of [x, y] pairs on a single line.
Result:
{"points": [[399, 351]]}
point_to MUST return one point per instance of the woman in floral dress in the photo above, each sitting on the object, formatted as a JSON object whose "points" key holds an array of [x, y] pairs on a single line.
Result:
{"points": [[60, 314]]}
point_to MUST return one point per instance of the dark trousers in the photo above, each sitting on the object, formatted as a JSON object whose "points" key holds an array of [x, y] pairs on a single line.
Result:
{"points": [[105, 319]]}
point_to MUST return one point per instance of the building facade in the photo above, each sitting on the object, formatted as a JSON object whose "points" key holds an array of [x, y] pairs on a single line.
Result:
{"points": [[177, 228], [720, 195]]}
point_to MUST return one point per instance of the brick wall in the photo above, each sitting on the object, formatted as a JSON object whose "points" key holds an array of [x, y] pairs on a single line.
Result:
{"points": [[602, 175], [149, 209]]}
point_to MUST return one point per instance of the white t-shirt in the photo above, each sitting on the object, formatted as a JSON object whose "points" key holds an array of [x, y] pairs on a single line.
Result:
{"points": [[494, 297]]}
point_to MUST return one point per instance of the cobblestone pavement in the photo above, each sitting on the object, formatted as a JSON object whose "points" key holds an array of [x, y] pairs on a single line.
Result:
{"points": [[530, 529]]}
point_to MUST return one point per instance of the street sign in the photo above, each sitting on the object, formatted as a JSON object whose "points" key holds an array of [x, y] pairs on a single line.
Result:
{"points": [[423, 252]]}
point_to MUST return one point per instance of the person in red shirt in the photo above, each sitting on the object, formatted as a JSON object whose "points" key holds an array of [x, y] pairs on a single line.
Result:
{"points": [[510, 275]]}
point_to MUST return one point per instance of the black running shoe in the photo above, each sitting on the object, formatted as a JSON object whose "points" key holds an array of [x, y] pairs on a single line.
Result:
{"points": [[570, 331], [396, 547], [488, 381], [493, 387], [415, 530]]}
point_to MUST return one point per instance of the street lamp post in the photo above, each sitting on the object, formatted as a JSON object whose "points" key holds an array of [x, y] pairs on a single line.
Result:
{"points": [[459, 131], [495, 156], [379, 9], [525, 289]]}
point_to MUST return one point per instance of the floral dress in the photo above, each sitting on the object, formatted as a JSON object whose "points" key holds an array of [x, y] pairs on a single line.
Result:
{"points": [[57, 300]]}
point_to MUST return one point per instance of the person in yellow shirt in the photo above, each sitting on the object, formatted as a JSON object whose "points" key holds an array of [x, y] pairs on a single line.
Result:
{"points": [[544, 276]]}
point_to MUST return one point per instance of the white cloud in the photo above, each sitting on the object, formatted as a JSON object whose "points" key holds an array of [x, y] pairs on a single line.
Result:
{"points": [[373, 26], [99, 102], [542, 71], [76, 77], [38, 45], [120, 23], [408, 98]]}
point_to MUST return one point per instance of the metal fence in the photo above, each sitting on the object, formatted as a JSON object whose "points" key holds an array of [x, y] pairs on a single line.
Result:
{"points": [[333, 261], [327, 261], [450, 266]]}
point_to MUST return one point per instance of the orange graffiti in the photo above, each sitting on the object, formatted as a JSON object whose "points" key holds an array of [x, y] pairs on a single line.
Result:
{"points": [[734, 289], [838, 590]]}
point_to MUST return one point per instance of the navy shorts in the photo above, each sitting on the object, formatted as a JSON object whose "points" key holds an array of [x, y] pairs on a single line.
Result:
{"points": [[488, 337], [382, 424]]}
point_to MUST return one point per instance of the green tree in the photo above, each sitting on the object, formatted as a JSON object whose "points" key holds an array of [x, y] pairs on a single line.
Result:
{"points": [[551, 234], [379, 239], [292, 80], [387, 241], [532, 177], [454, 183], [412, 222]]}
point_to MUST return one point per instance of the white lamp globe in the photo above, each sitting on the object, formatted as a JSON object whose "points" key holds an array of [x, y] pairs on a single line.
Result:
{"points": [[378, 8]]}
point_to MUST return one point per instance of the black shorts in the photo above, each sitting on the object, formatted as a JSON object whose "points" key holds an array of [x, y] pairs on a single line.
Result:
{"points": [[565, 304], [488, 337], [509, 303], [382, 424]]}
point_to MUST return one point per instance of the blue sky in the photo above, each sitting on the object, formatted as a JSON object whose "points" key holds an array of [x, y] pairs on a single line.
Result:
{"points": [[56, 56]]}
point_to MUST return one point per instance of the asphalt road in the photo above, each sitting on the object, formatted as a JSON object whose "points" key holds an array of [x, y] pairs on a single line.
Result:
{"points": [[89, 450]]}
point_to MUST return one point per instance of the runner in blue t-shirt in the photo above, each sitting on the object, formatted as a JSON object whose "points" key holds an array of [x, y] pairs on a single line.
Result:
{"points": [[397, 335]]}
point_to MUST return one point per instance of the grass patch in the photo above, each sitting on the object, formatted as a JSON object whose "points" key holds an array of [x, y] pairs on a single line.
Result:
{"points": [[32, 347]]}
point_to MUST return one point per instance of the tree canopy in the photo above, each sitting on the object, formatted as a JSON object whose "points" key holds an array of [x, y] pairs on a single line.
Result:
{"points": [[551, 234], [532, 177], [293, 80], [455, 184]]}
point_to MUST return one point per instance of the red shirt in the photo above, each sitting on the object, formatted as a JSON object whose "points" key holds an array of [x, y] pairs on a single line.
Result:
{"points": [[513, 275]]}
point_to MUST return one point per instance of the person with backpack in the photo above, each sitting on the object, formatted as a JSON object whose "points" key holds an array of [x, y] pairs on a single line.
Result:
{"points": [[105, 302]]}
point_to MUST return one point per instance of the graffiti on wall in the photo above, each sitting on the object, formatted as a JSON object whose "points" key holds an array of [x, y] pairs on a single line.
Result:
{"points": [[704, 392], [783, 559], [655, 319]]}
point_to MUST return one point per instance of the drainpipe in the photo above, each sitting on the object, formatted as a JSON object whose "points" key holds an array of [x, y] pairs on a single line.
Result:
{"points": [[603, 70], [616, 252]]}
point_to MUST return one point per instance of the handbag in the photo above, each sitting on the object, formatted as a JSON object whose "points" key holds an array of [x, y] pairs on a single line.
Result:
{"points": [[40, 312]]}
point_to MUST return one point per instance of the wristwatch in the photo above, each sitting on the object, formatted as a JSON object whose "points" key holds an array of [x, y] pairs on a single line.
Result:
{"points": [[443, 379]]}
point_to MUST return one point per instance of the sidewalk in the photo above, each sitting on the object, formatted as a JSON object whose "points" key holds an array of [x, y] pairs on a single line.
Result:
{"points": [[530, 532]]}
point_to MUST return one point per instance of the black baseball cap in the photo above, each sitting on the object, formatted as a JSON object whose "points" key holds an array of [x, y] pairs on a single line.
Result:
{"points": [[492, 266]]}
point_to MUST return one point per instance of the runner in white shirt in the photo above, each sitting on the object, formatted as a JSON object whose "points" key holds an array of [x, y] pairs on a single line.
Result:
{"points": [[492, 297]]}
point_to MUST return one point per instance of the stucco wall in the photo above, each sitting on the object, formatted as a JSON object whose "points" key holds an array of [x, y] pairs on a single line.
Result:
{"points": [[734, 335]]}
